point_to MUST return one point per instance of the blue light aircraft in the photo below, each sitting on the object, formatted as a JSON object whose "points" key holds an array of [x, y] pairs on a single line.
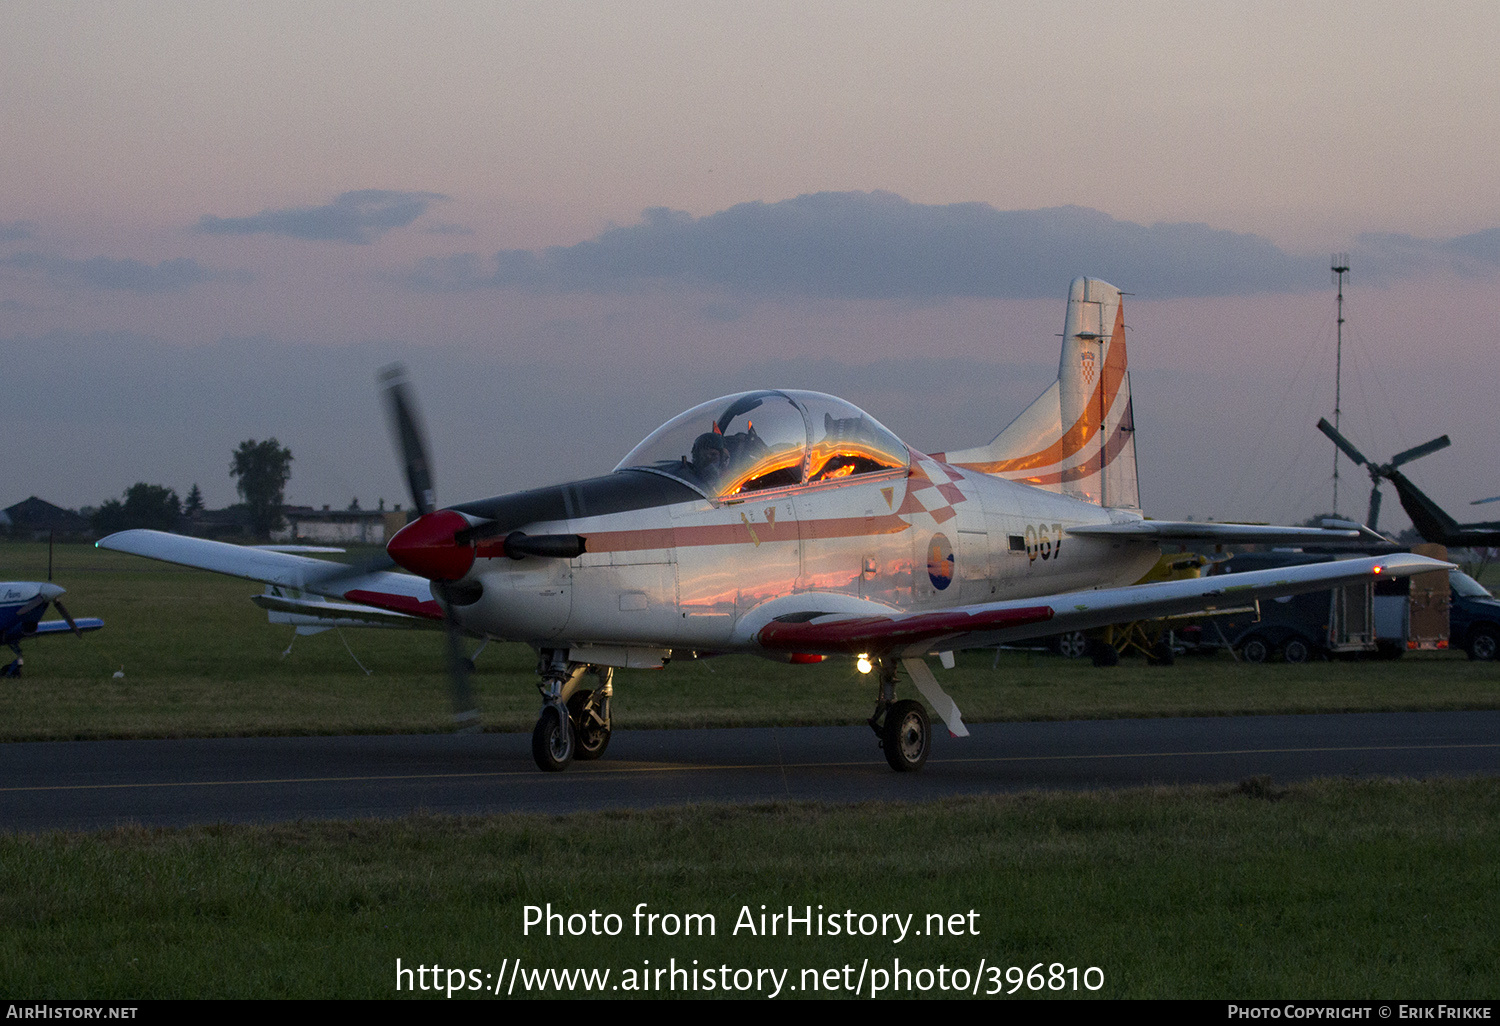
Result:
{"points": [[22, 604]]}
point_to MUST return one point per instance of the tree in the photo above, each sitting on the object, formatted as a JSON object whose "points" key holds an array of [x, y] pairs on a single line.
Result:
{"points": [[194, 501], [263, 469], [145, 505]]}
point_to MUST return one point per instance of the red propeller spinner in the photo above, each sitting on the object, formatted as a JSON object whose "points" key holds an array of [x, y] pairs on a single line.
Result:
{"points": [[426, 547]]}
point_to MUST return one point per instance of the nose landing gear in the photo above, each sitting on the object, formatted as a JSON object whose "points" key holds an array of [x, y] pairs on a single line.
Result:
{"points": [[575, 721]]}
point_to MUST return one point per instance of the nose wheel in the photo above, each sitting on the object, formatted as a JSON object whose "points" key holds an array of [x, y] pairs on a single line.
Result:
{"points": [[575, 721], [552, 742]]}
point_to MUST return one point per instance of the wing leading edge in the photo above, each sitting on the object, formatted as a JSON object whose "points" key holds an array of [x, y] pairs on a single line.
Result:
{"points": [[875, 630], [382, 589]]}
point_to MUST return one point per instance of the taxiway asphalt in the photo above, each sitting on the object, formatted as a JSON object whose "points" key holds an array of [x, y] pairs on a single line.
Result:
{"points": [[82, 785]]}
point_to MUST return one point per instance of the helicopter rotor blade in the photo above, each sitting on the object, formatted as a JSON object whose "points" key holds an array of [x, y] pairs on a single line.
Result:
{"points": [[1374, 517], [1342, 442], [1417, 452]]}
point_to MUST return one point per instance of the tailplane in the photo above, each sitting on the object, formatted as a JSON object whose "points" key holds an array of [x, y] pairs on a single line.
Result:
{"points": [[1078, 438]]}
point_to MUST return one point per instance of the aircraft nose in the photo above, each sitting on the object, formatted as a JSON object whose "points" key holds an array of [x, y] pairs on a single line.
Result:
{"points": [[426, 547]]}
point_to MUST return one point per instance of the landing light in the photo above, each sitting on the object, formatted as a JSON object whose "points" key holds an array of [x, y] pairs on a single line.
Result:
{"points": [[863, 664]]}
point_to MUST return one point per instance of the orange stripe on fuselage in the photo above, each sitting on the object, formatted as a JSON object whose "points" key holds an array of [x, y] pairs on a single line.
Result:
{"points": [[1076, 437], [728, 534]]}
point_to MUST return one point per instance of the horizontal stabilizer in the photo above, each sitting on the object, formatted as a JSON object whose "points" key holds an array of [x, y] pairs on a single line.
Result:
{"points": [[1219, 534]]}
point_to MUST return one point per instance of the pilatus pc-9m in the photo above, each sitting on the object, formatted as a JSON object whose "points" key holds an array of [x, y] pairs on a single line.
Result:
{"points": [[794, 525]]}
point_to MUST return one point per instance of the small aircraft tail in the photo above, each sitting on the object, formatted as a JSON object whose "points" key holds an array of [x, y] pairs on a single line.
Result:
{"points": [[1078, 438]]}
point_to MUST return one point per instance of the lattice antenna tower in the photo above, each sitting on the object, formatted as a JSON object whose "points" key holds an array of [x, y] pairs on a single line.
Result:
{"points": [[1340, 267]]}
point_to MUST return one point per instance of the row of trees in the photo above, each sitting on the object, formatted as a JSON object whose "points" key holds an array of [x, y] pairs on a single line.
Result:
{"points": [[260, 469]]}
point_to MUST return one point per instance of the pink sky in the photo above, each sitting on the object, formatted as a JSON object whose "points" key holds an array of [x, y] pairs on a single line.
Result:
{"points": [[542, 125]]}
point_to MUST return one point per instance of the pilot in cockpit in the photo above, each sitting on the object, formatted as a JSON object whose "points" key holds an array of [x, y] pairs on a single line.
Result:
{"points": [[710, 457]]}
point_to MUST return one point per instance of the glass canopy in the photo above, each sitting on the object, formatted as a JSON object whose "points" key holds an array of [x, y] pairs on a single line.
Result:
{"points": [[755, 441]]}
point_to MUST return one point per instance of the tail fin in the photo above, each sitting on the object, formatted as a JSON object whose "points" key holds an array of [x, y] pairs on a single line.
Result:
{"points": [[1078, 438]]}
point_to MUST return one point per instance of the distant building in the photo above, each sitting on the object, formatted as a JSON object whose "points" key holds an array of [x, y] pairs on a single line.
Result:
{"points": [[329, 526], [38, 518]]}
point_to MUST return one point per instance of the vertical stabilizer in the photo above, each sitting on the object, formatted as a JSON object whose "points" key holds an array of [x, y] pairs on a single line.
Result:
{"points": [[1078, 438]]}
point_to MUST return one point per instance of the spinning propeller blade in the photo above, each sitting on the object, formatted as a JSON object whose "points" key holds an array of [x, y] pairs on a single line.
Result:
{"points": [[411, 445], [411, 439]]}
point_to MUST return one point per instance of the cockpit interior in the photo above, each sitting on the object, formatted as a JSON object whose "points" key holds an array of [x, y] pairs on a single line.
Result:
{"points": [[764, 440]]}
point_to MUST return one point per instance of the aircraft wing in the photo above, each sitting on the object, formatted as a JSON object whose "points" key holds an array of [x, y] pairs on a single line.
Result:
{"points": [[1219, 534], [301, 610], [835, 625], [85, 623], [383, 589]]}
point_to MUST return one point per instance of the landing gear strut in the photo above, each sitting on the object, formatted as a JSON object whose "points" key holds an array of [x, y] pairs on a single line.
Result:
{"points": [[575, 722], [903, 728]]}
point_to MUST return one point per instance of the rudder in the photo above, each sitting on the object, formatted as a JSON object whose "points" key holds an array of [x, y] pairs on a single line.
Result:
{"points": [[1078, 437]]}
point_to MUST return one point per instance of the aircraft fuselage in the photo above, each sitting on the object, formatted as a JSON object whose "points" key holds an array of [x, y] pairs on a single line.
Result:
{"points": [[680, 572]]}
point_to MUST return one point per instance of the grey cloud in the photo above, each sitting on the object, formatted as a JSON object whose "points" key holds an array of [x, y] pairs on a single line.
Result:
{"points": [[109, 274], [878, 245], [852, 245], [15, 231], [1387, 256], [358, 217]]}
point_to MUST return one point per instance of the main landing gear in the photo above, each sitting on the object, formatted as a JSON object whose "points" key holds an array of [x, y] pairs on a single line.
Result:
{"points": [[575, 722], [903, 728]]}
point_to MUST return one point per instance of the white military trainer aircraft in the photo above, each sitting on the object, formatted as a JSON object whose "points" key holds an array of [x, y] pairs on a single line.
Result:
{"points": [[794, 525]]}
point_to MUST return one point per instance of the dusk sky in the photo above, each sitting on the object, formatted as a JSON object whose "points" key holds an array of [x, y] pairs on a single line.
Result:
{"points": [[572, 221]]}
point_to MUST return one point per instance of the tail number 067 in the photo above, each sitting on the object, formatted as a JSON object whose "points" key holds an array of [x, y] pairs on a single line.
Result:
{"points": [[1043, 540]]}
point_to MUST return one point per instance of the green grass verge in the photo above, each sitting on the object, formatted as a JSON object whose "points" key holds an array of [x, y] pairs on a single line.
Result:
{"points": [[1331, 889], [200, 660]]}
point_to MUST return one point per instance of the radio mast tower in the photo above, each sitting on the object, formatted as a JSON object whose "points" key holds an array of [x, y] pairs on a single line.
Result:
{"points": [[1340, 267]]}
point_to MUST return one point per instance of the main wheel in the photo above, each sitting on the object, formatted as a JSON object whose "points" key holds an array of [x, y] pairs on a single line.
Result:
{"points": [[1295, 651], [906, 736], [1073, 645], [1103, 653], [591, 737], [1255, 649], [1483, 644], [1161, 654], [552, 740]]}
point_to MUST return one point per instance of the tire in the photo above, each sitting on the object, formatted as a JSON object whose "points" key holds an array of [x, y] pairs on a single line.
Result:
{"points": [[552, 743], [1296, 651], [1483, 644], [1072, 645], [1103, 653], [1254, 649], [1161, 655], [906, 736], [590, 737]]}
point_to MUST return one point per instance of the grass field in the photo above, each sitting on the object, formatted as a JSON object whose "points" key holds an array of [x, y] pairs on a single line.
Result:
{"points": [[1333, 889], [1325, 889], [200, 660]]}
